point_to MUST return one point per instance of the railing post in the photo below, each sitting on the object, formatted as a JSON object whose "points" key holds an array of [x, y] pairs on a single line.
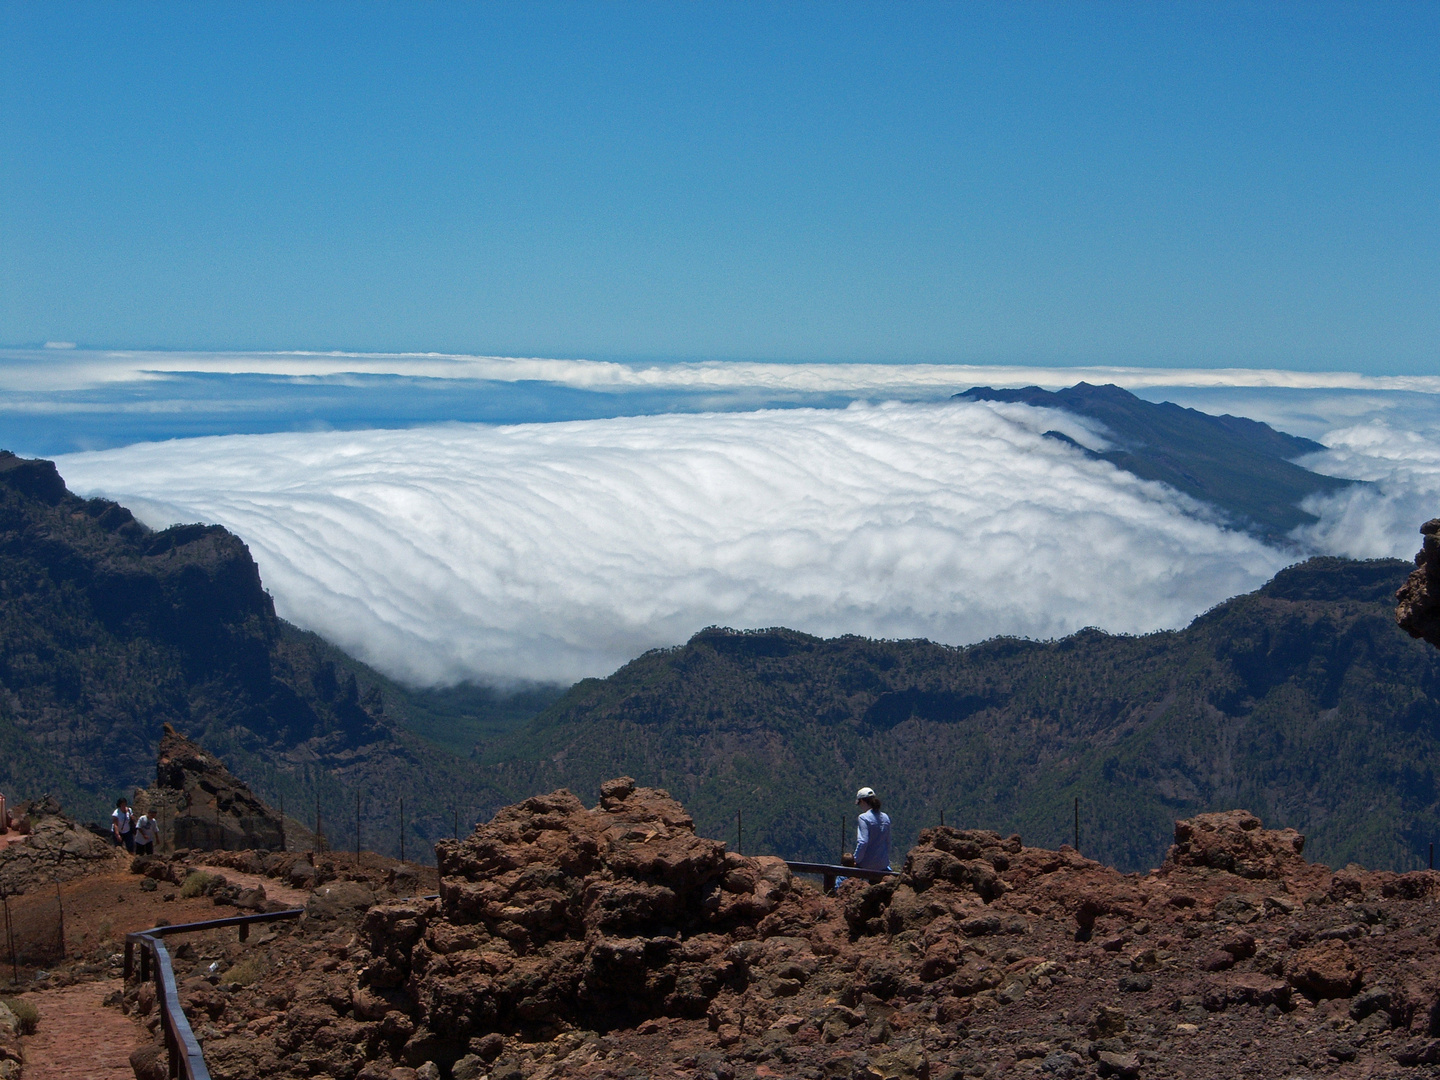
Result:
{"points": [[129, 958]]}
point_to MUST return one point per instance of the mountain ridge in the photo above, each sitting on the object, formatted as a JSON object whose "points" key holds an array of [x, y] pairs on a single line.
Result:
{"points": [[1302, 699], [1241, 466]]}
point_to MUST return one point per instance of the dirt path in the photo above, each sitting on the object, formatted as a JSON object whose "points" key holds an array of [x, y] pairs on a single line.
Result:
{"points": [[274, 890], [78, 1038]]}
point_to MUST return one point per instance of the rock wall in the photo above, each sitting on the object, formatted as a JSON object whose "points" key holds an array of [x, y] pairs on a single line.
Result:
{"points": [[55, 849]]}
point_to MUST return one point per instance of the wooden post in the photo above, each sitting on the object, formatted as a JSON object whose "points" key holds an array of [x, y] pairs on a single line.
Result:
{"points": [[60, 904], [357, 828], [942, 817], [739, 833], [457, 823], [1432, 856], [402, 828], [10, 937], [842, 836], [319, 832], [1077, 824], [282, 822]]}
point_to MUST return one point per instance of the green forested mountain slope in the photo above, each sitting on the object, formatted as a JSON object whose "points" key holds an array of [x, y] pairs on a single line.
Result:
{"points": [[1303, 702], [109, 630]]}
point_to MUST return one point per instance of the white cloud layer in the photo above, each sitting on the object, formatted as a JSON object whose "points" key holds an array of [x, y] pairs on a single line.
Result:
{"points": [[37, 370], [1401, 467], [554, 551]]}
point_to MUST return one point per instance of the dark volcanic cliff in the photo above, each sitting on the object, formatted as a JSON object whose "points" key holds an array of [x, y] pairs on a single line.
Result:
{"points": [[112, 630]]}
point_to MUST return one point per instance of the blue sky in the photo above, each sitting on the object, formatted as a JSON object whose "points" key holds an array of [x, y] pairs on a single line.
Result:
{"points": [[1165, 184]]}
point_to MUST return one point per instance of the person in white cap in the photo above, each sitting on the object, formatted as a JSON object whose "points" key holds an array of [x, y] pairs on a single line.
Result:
{"points": [[872, 833]]}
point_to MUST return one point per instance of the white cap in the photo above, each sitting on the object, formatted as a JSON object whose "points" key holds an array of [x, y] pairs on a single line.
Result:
{"points": [[865, 793]]}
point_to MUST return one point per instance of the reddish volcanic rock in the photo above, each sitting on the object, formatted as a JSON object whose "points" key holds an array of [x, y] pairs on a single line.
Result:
{"points": [[1326, 970], [613, 942], [1417, 608], [551, 909], [1235, 841]]}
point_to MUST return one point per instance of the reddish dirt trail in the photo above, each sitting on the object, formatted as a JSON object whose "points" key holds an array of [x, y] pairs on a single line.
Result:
{"points": [[78, 1038]]}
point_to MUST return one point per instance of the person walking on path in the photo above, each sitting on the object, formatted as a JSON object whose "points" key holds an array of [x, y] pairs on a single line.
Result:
{"points": [[872, 833], [146, 833], [122, 825]]}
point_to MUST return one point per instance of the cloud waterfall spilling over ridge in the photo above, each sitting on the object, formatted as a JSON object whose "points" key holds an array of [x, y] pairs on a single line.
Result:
{"points": [[553, 551]]}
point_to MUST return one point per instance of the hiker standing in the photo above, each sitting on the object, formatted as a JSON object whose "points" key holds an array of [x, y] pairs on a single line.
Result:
{"points": [[146, 833], [122, 825], [872, 833]]}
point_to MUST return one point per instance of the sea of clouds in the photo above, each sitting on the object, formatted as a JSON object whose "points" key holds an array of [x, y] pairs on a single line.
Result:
{"points": [[552, 551]]}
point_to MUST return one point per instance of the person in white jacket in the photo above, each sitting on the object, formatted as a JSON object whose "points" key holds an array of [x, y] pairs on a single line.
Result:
{"points": [[872, 833]]}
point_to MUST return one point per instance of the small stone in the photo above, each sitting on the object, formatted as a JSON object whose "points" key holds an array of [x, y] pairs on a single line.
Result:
{"points": [[1122, 1065], [1343, 1051], [488, 1046], [1106, 1023], [469, 1067], [1136, 984], [1219, 960]]}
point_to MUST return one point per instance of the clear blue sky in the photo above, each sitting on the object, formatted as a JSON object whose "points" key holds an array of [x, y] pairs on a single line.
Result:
{"points": [[1140, 184]]}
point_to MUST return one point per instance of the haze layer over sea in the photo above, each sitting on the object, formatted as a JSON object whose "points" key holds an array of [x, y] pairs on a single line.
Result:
{"points": [[504, 520]]}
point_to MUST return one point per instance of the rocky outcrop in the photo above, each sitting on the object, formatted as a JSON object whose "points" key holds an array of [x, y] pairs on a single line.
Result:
{"points": [[55, 849], [1417, 607], [614, 941], [1236, 841], [552, 911], [200, 804]]}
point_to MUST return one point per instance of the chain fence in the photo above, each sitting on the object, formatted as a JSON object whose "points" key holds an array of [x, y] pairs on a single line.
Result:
{"points": [[32, 934]]}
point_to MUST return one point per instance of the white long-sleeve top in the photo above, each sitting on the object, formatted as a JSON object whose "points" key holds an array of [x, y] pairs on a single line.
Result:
{"points": [[872, 840]]}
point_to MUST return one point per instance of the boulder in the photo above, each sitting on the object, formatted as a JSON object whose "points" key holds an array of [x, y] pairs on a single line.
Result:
{"points": [[1325, 970], [1236, 841]]}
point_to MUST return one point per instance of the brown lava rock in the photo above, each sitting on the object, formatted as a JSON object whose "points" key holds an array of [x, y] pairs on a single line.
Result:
{"points": [[1417, 607], [1235, 841], [606, 942]]}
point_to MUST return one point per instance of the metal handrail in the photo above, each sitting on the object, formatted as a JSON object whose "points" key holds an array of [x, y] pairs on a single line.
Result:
{"points": [[186, 1058], [829, 872]]}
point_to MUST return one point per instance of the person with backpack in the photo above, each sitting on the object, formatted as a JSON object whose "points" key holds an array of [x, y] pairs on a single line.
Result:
{"points": [[122, 825]]}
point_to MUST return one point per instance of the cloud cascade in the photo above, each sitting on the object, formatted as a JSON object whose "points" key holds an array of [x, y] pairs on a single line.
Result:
{"points": [[554, 551]]}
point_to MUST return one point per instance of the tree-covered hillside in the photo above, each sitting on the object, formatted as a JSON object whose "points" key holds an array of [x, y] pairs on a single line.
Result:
{"points": [[1303, 702], [109, 630]]}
